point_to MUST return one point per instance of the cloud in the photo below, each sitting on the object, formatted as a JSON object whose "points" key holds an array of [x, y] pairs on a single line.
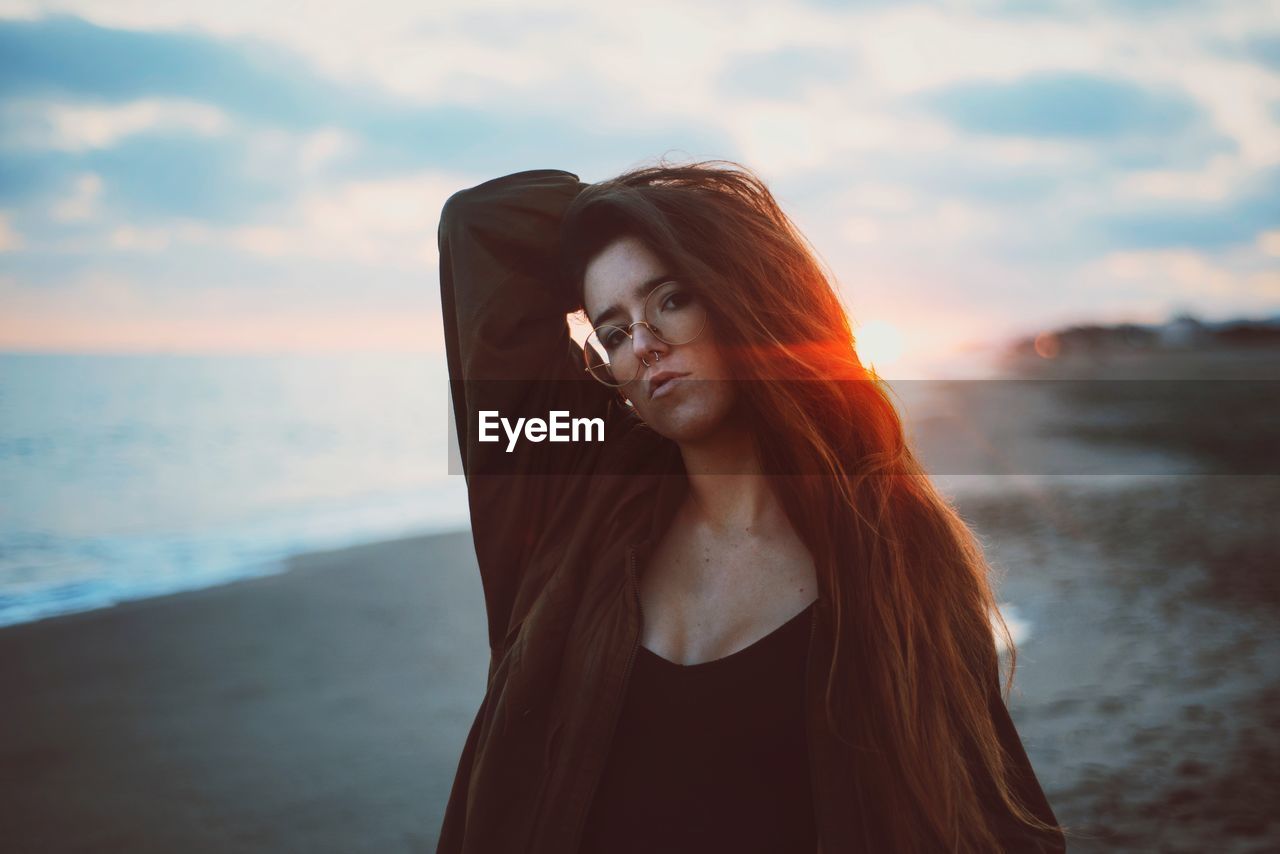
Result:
{"points": [[1064, 105], [129, 105], [1218, 181], [382, 223], [259, 84], [1265, 49], [63, 55], [82, 203], [1238, 283], [1269, 243], [958, 160], [158, 175], [1072, 127], [94, 310], [785, 74], [9, 239], [25, 175], [1075, 9], [75, 127], [146, 177], [857, 5], [1210, 225]]}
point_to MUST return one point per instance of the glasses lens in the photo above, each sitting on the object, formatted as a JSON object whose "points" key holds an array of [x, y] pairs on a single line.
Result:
{"points": [[674, 312], [610, 356]]}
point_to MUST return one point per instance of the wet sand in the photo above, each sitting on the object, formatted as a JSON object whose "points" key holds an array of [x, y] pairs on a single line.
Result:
{"points": [[1148, 690], [319, 710]]}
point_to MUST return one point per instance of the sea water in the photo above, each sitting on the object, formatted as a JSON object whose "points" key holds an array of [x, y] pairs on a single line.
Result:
{"points": [[125, 476]]}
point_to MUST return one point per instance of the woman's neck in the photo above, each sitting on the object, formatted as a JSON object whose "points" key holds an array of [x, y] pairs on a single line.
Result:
{"points": [[728, 493]]}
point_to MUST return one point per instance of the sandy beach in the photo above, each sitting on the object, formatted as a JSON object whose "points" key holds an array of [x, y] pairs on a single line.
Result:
{"points": [[318, 710], [324, 709], [1148, 691]]}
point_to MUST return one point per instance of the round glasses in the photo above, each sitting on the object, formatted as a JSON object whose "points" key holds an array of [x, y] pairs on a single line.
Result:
{"points": [[673, 314]]}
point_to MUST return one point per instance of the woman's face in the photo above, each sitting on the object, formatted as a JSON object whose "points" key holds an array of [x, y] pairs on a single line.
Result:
{"points": [[689, 408]]}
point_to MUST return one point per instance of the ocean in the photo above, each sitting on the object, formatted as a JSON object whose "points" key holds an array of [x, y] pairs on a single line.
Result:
{"points": [[127, 476]]}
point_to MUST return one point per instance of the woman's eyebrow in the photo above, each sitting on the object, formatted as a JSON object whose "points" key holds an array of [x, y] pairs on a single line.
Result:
{"points": [[640, 291]]}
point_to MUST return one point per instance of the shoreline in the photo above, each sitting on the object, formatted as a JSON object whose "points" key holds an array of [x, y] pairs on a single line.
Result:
{"points": [[282, 565], [321, 708]]}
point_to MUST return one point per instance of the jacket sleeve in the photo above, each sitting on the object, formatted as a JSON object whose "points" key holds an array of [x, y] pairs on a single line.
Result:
{"points": [[1014, 835], [509, 351]]}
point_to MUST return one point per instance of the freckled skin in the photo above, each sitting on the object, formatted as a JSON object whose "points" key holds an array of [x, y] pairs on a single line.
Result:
{"points": [[689, 414], [719, 580]]}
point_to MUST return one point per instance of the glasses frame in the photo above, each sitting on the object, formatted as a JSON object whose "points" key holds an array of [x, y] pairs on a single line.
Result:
{"points": [[627, 331]]}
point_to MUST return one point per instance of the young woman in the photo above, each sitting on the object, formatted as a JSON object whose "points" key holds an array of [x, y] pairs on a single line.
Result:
{"points": [[743, 619]]}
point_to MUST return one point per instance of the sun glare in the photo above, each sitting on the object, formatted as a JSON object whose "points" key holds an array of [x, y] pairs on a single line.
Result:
{"points": [[879, 344]]}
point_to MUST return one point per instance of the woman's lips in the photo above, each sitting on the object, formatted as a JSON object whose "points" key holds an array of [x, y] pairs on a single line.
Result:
{"points": [[662, 383]]}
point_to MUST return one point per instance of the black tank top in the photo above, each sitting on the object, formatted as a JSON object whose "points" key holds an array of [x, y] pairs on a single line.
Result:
{"points": [[711, 756]]}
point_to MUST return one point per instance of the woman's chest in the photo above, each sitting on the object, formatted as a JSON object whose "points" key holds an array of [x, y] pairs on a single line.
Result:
{"points": [[704, 598]]}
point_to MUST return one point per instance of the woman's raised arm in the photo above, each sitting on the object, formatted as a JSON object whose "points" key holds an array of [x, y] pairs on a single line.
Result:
{"points": [[509, 352]]}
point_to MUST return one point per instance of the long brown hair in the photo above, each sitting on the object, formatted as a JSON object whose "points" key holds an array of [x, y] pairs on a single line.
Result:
{"points": [[915, 657]]}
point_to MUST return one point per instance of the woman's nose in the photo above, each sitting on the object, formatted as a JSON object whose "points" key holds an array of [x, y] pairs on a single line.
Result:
{"points": [[645, 342]]}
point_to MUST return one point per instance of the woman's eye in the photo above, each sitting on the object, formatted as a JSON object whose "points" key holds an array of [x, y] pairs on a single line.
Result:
{"points": [[675, 300], [613, 340]]}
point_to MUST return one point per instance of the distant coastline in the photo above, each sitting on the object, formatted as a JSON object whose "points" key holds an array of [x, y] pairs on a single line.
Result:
{"points": [[1182, 332]]}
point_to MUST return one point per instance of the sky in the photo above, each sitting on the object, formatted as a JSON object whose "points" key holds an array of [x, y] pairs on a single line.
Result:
{"points": [[264, 177]]}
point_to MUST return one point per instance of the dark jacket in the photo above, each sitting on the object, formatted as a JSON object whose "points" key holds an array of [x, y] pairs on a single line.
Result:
{"points": [[560, 531]]}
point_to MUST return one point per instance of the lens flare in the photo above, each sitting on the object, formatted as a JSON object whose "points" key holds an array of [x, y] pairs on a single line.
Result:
{"points": [[879, 343]]}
